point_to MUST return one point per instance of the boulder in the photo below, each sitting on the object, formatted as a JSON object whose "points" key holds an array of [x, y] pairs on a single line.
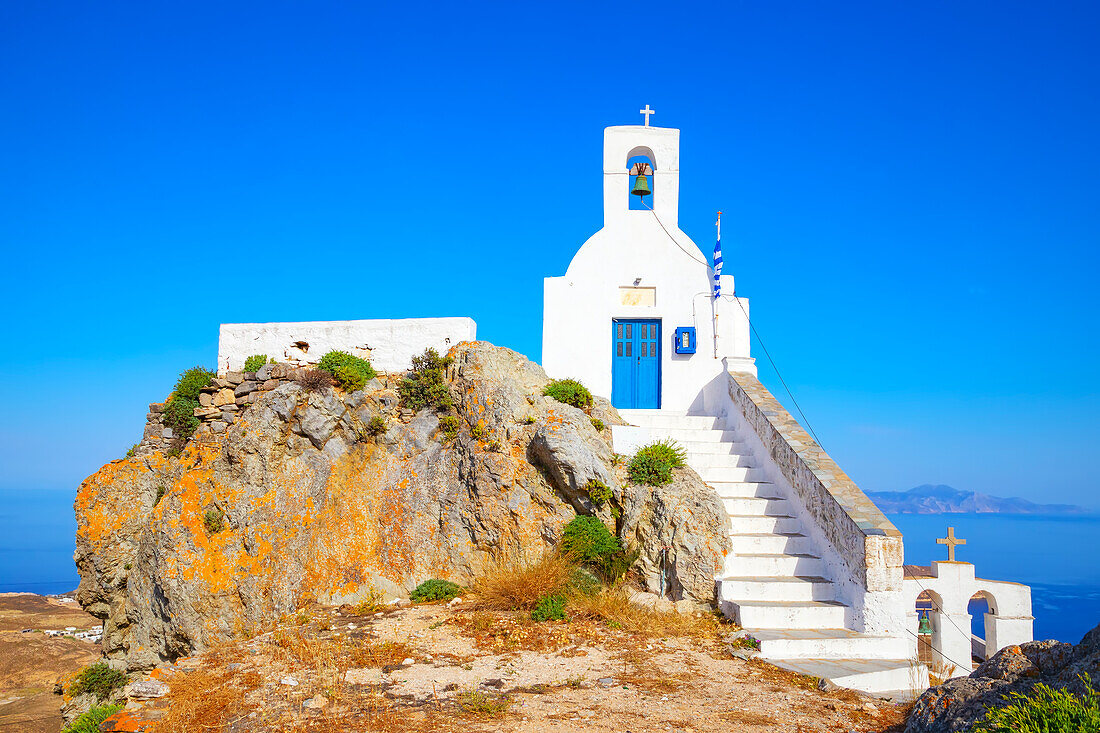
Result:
{"points": [[960, 702], [682, 533]]}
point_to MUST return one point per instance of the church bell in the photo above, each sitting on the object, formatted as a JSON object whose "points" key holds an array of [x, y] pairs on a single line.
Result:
{"points": [[925, 625], [641, 186]]}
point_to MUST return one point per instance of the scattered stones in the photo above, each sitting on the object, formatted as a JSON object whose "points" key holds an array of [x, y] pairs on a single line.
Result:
{"points": [[288, 681], [606, 682], [407, 661], [317, 702]]}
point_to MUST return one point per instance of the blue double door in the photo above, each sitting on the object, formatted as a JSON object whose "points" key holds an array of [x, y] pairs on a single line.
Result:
{"points": [[635, 364]]}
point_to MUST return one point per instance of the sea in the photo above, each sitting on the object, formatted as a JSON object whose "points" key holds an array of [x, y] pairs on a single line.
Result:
{"points": [[1055, 555]]}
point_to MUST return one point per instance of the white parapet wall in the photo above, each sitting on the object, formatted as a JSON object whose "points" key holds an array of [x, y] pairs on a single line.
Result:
{"points": [[388, 343]]}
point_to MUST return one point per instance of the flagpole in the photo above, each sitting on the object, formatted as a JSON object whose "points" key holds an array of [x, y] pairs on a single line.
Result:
{"points": [[713, 306]]}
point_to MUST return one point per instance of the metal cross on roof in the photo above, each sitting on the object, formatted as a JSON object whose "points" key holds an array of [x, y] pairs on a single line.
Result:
{"points": [[647, 112], [950, 540]]}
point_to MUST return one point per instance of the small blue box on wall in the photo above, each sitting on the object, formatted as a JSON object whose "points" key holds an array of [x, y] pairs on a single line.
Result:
{"points": [[685, 340]]}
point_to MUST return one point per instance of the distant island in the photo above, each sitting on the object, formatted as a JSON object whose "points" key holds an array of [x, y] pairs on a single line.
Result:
{"points": [[940, 499]]}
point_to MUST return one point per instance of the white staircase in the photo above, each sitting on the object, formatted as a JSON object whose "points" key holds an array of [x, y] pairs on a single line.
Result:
{"points": [[773, 583]]}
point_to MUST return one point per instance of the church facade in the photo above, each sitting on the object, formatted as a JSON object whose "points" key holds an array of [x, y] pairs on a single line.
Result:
{"points": [[816, 570]]}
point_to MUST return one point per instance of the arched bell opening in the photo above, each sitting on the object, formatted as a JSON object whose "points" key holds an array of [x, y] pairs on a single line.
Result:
{"points": [[982, 608], [925, 608], [640, 181]]}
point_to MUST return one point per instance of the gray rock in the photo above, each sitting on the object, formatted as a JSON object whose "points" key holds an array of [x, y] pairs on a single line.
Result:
{"points": [[686, 517], [166, 433], [145, 690], [264, 373], [960, 702], [233, 378], [607, 682], [245, 387], [219, 426], [270, 384]]}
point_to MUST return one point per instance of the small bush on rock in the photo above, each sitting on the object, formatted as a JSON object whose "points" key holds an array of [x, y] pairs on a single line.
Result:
{"points": [[587, 540], [598, 424], [350, 380], [448, 427], [569, 391], [550, 608], [426, 384], [479, 432], [598, 491], [213, 520], [1045, 710], [132, 451], [653, 464], [179, 410], [313, 379], [435, 590], [377, 426], [97, 679], [254, 362], [348, 370], [160, 494], [89, 722]]}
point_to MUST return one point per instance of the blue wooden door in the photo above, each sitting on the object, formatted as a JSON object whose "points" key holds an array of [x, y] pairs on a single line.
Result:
{"points": [[635, 364]]}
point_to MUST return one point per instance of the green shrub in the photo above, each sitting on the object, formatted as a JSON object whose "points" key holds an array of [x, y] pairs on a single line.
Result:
{"points": [[97, 679], [550, 608], [377, 426], [179, 410], [448, 427], [347, 370], [254, 362], [653, 463], [1045, 710], [192, 381], [132, 451], [587, 540], [426, 384], [435, 590], [569, 391], [214, 520], [479, 432], [585, 582], [160, 494], [179, 414], [89, 722], [598, 491], [350, 380], [598, 424], [529, 420]]}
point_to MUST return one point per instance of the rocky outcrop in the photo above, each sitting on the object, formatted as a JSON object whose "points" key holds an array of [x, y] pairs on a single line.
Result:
{"points": [[681, 531], [296, 499], [959, 703]]}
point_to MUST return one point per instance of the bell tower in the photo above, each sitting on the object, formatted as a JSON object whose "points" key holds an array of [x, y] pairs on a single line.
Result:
{"points": [[662, 146]]}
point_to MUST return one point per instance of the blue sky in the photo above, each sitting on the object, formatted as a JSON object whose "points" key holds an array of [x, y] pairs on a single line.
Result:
{"points": [[910, 195]]}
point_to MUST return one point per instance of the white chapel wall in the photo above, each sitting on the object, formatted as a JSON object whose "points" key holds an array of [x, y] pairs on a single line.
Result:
{"points": [[388, 343], [634, 250]]}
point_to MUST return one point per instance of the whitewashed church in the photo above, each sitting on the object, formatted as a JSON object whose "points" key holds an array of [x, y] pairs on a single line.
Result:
{"points": [[816, 573]]}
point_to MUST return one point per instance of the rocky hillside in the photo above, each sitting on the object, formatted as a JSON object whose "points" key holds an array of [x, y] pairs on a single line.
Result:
{"points": [[306, 496]]}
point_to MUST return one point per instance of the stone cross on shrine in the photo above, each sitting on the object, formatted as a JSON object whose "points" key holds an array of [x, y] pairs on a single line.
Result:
{"points": [[950, 540], [647, 112]]}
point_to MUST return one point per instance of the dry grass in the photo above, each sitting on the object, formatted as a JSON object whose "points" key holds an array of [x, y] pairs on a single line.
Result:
{"points": [[615, 609], [202, 699], [483, 704], [518, 582], [745, 717], [380, 654]]}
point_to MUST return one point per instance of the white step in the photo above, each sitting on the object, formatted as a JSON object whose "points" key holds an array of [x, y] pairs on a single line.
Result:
{"points": [[719, 473], [718, 460], [696, 436], [774, 565], [734, 489], [828, 643], [786, 614], [877, 676], [770, 588], [756, 506], [770, 543], [659, 419], [740, 524], [697, 447]]}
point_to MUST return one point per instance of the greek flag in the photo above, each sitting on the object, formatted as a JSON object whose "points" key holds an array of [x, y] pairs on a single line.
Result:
{"points": [[718, 260]]}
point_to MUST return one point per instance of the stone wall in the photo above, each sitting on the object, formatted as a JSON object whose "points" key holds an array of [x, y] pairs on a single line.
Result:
{"points": [[868, 543], [219, 404]]}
